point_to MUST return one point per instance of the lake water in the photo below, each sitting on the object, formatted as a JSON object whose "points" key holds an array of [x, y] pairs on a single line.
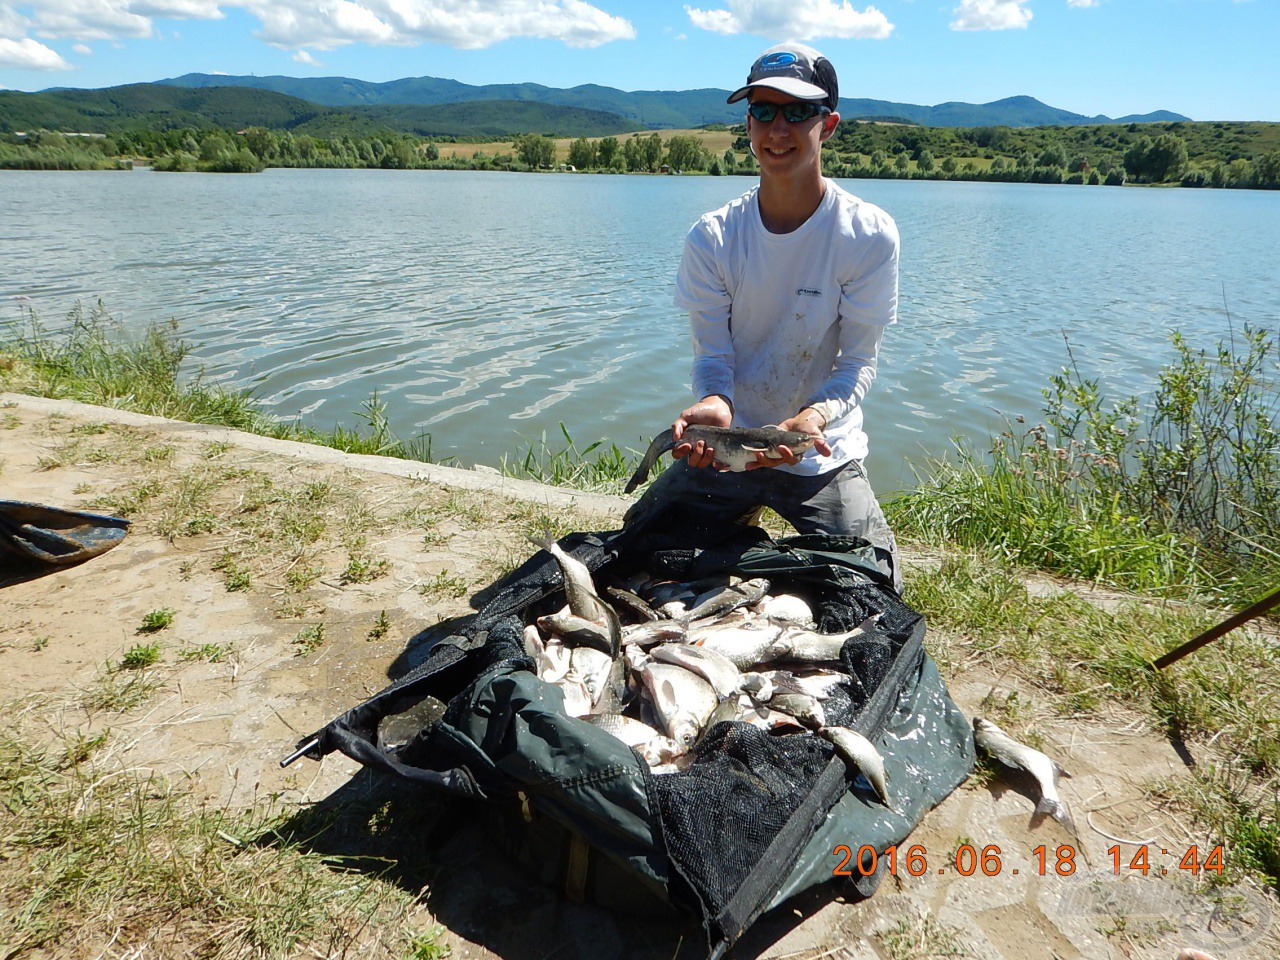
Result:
{"points": [[489, 308]]}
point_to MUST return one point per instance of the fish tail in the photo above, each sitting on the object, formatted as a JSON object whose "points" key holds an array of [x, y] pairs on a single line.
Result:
{"points": [[660, 445], [1056, 809], [546, 541]]}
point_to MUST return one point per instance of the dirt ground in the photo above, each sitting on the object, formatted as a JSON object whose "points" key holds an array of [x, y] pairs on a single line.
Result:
{"points": [[298, 580]]}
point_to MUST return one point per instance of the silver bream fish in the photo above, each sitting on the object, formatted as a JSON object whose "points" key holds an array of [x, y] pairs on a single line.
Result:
{"points": [[861, 753], [998, 744], [734, 447]]}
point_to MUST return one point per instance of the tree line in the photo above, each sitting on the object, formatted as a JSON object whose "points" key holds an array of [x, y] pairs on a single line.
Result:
{"points": [[1186, 154]]}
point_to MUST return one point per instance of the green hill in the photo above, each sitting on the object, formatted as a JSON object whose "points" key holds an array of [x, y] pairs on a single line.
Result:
{"points": [[651, 109], [163, 107]]}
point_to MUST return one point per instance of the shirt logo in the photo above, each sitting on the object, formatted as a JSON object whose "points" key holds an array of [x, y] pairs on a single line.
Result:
{"points": [[808, 292]]}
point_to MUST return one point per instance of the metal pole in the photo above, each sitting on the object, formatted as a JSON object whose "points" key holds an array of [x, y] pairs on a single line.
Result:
{"points": [[1213, 633], [301, 752]]}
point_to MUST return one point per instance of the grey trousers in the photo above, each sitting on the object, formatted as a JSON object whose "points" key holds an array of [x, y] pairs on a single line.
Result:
{"points": [[840, 502]]}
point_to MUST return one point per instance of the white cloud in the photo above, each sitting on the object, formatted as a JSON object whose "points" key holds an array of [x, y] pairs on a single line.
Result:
{"points": [[28, 54], [12, 26], [303, 57], [799, 19], [991, 15], [83, 49], [464, 24], [325, 24], [88, 20], [1083, 3]]}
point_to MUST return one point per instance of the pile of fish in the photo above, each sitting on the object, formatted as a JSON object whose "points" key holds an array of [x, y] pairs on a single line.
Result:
{"points": [[690, 656]]}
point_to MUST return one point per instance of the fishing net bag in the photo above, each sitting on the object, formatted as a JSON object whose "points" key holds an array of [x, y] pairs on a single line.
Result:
{"points": [[754, 819]]}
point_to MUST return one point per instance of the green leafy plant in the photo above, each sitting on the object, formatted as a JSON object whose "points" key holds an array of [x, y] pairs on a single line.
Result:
{"points": [[140, 656], [156, 620]]}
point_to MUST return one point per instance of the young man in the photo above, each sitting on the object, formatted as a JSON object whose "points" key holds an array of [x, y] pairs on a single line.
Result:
{"points": [[789, 289]]}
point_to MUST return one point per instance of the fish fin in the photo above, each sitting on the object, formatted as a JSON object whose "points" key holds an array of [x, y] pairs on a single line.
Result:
{"points": [[751, 449], [1058, 769]]}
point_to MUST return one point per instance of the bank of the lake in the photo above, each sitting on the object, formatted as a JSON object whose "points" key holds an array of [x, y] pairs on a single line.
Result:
{"points": [[267, 586]]}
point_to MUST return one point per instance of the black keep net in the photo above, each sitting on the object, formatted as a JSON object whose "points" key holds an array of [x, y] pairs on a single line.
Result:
{"points": [[754, 818]]}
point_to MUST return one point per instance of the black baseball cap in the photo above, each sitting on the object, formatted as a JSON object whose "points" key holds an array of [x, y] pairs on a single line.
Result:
{"points": [[796, 70]]}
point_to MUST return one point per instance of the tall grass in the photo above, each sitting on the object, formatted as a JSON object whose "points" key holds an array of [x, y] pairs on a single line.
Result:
{"points": [[1179, 494], [606, 472], [91, 359]]}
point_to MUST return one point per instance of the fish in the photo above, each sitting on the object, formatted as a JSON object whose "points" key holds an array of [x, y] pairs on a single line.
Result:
{"points": [[803, 707], [603, 678], [656, 748], [578, 630], [554, 660], [744, 709], [653, 631], [785, 608], [580, 591], [861, 753], [633, 602], [999, 745], [810, 681], [795, 644], [725, 599], [743, 645], [682, 699], [734, 447], [714, 668]]}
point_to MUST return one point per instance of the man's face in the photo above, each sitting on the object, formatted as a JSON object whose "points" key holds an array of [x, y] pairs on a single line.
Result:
{"points": [[782, 147]]}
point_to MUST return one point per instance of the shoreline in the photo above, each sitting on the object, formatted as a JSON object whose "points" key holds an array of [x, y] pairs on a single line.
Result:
{"points": [[302, 579]]}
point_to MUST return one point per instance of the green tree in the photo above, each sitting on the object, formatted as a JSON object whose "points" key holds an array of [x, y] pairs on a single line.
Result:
{"points": [[729, 160], [926, 161], [684, 153], [535, 150], [1167, 158], [1054, 155], [633, 153], [1266, 171], [582, 154], [651, 148], [606, 151]]}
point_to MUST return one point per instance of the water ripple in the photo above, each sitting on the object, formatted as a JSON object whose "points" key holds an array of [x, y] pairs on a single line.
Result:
{"points": [[489, 308]]}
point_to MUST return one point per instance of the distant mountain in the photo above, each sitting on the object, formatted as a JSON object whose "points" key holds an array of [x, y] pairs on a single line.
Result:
{"points": [[166, 107], [648, 108]]}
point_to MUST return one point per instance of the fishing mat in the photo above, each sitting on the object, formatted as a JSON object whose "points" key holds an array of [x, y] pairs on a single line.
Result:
{"points": [[755, 818]]}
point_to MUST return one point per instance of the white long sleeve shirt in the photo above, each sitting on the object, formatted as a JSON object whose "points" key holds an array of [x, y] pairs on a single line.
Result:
{"points": [[785, 321]]}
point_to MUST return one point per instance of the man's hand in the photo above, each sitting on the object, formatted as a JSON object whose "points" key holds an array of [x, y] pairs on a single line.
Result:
{"points": [[712, 411]]}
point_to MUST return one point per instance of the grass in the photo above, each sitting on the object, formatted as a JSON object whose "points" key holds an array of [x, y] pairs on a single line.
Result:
{"points": [[1178, 495], [1224, 701], [925, 938], [140, 656], [156, 620], [309, 639], [95, 857]]}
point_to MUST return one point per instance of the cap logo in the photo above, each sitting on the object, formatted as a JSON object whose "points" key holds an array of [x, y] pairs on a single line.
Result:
{"points": [[778, 60]]}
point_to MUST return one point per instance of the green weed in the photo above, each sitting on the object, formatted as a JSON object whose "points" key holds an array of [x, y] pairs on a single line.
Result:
{"points": [[1178, 496], [156, 620], [381, 627], [140, 656], [444, 584], [309, 639]]}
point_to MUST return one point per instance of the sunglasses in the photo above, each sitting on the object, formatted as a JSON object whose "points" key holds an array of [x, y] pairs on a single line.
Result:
{"points": [[794, 112]]}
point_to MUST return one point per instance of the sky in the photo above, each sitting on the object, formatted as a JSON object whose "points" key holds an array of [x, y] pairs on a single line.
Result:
{"points": [[1206, 59]]}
